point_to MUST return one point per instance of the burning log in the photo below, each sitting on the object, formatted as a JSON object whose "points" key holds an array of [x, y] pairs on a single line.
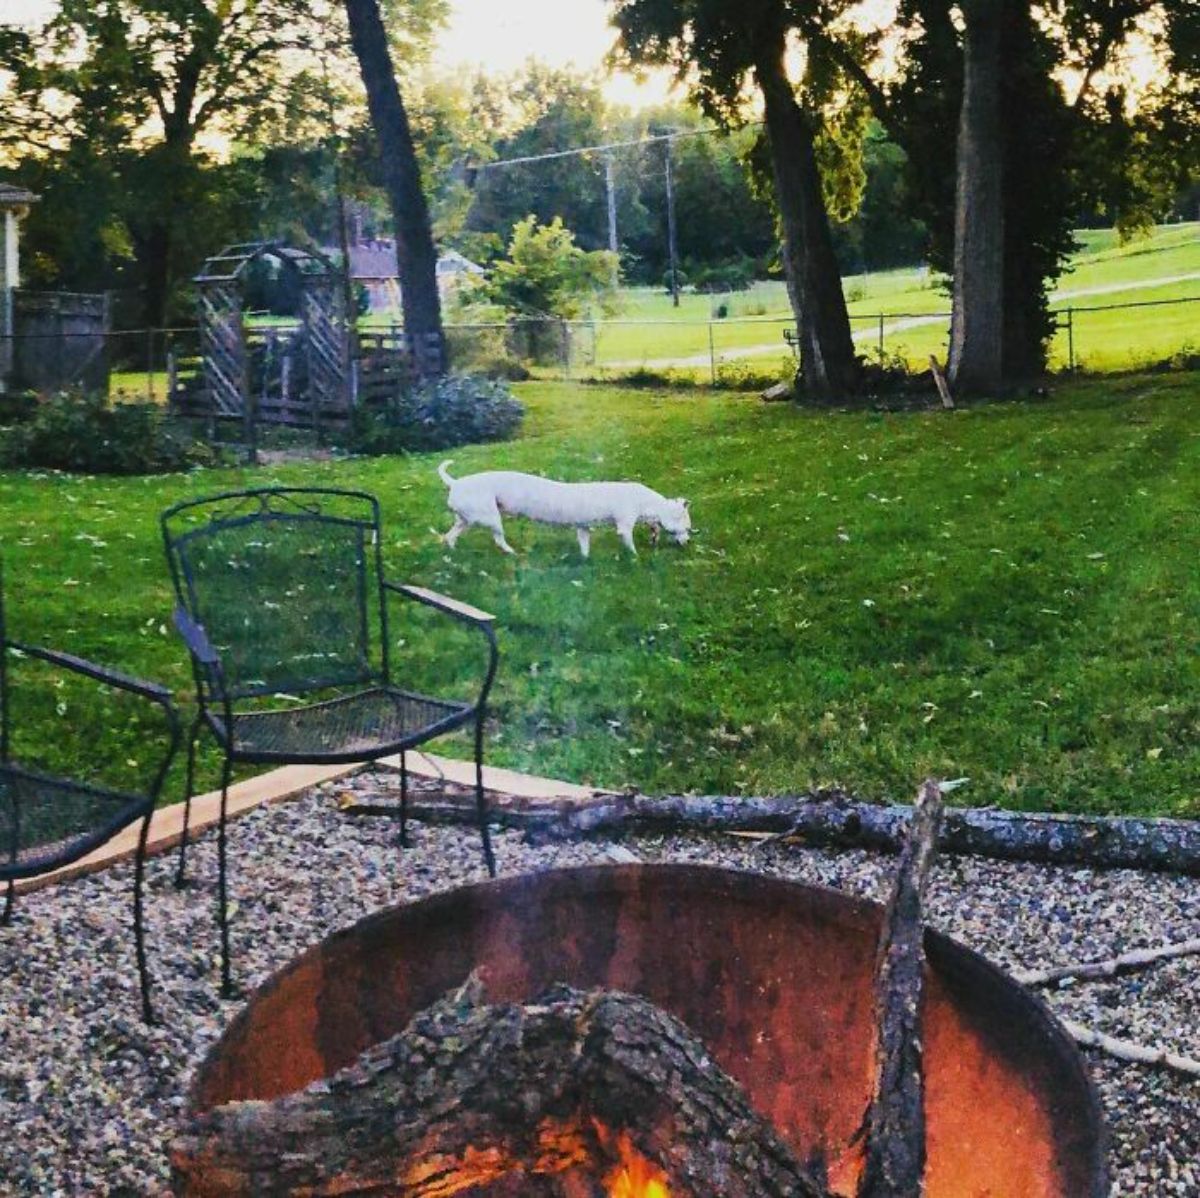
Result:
{"points": [[577, 1094], [895, 1121]]}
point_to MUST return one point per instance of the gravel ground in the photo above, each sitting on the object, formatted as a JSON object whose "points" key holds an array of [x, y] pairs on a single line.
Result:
{"points": [[89, 1095]]}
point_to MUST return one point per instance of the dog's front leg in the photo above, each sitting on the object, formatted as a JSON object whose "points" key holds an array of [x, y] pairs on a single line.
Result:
{"points": [[655, 529], [625, 532]]}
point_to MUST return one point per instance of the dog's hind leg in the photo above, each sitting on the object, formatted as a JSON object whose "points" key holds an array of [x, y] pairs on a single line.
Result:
{"points": [[585, 540], [494, 522], [460, 526]]}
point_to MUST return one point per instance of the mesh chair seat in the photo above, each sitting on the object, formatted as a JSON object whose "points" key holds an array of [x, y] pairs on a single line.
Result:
{"points": [[369, 723], [47, 822]]}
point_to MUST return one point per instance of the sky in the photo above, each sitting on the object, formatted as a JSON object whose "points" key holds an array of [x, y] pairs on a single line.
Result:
{"points": [[498, 34]]}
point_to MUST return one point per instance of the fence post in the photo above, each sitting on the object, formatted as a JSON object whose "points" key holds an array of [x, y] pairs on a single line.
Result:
{"points": [[149, 365], [566, 348], [880, 338], [1070, 340], [172, 372], [712, 355]]}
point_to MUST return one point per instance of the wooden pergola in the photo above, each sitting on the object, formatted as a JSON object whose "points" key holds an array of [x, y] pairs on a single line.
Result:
{"points": [[323, 327]]}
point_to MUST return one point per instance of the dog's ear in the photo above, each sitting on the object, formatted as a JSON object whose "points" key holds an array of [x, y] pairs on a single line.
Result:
{"points": [[686, 503]]}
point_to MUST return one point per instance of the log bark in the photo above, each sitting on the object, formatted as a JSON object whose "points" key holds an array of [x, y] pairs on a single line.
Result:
{"points": [[828, 364], [895, 1122], [833, 820], [496, 1100], [977, 311]]}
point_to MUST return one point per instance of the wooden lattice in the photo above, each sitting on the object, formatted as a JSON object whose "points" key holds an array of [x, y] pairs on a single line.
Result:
{"points": [[322, 336], [223, 344], [324, 330]]}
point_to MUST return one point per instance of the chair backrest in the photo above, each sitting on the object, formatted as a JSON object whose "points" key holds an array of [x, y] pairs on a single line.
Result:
{"points": [[285, 582]]}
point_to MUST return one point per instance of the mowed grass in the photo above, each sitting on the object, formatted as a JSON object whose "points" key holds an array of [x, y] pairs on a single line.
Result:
{"points": [[1114, 273], [1007, 593]]}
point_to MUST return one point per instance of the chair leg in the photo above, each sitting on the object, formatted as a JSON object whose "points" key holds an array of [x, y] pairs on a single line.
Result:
{"points": [[139, 932], [6, 918], [404, 841], [480, 805], [189, 786], [222, 886]]}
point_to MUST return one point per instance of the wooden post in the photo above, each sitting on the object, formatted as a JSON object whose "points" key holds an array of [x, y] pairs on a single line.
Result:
{"points": [[671, 250], [712, 354], [1071, 340], [881, 338]]}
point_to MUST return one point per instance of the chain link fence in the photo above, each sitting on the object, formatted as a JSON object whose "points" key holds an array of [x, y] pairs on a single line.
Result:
{"points": [[156, 365]]}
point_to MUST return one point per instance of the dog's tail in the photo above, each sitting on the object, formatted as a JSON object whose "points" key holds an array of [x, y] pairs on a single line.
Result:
{"points": [[444, 474]]}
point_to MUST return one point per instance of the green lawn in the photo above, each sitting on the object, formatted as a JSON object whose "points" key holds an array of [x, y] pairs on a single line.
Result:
{"points": [[1008, 593], [756, 318]]}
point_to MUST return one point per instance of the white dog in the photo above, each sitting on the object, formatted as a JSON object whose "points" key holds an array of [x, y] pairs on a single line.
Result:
{"points": [[484, 499]]}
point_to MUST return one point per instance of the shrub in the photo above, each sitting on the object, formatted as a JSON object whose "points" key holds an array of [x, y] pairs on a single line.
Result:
{"points": [[454, 410], [87, 434], [17, 406]]}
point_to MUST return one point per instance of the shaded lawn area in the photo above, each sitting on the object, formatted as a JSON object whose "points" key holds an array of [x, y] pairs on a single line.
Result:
{"points": [[1008, 593]]}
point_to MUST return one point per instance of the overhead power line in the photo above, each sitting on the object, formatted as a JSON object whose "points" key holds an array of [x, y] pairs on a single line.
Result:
{"points": [[605, 148]]}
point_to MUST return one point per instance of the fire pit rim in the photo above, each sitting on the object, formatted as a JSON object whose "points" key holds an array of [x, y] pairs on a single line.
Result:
{"points": [[948, 958]]}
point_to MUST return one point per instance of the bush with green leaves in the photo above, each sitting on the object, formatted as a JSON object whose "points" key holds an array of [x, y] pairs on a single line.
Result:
{"points": [[437, 414], [86, 434]]}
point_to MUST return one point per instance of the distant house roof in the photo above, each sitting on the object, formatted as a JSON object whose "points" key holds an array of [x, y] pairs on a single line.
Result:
{"points": [[15, 197], [377, 260]]}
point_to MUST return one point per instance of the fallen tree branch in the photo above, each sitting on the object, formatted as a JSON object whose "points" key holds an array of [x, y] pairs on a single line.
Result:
{"points": [[1112, 967], [832, 820], [895, 1122], [1128, 1050]]}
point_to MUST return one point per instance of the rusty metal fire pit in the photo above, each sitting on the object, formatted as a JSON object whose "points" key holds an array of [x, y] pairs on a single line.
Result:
{"points": [[774, 977]]}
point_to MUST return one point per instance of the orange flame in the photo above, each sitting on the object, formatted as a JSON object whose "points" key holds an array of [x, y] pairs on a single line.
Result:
{"points": [[634, 1176]]}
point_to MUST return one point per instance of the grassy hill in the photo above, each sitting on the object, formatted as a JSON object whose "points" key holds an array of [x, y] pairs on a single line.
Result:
{"points": [[1102, 273]]}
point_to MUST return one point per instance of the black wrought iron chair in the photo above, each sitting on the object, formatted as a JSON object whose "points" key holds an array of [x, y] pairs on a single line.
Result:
{"points": [[283, 605], [48, 821]]}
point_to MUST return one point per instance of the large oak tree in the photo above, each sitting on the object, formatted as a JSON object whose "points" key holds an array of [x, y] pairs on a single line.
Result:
{"points": [[718, 46]]}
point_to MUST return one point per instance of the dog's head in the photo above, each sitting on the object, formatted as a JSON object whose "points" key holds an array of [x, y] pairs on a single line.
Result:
{"points": [[677, 519]]}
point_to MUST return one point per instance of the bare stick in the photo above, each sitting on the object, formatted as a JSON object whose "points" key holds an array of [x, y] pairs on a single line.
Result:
{"points": [[1113, 967], [1127, 1050], [895, 1122], [940, 379]]}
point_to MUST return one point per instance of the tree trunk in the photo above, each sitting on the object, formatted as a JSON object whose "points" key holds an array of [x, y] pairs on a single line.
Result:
{"points": [[416, 255], [554, 1097], [977, 316], [828, 364], [156, 254]]}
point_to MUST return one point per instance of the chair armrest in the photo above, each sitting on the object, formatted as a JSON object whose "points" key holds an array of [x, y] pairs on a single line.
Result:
{"points": [[89, 669], [453, 607], [196, 639]]}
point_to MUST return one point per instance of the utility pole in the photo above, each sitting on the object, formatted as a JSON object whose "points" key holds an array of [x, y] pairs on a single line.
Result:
{"points": [[671, 250], [611, 190]]}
